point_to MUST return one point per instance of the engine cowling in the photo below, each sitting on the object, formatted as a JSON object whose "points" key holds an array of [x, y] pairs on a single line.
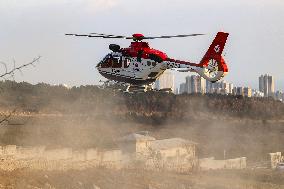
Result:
{"points": [[114, 47]]}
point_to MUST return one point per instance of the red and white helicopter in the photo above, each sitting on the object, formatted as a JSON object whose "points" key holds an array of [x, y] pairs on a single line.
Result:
{"points": [[139, 65]]}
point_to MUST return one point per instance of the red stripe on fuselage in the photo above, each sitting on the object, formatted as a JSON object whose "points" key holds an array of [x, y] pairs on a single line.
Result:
{"points": [[143, 48], [183, 62]]}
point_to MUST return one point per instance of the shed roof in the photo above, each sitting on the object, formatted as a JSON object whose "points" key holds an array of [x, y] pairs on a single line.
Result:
{"points": [[170, 143]]}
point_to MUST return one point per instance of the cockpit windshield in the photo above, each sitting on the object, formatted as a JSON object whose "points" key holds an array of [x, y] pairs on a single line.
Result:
{"points": [[111, 60]]}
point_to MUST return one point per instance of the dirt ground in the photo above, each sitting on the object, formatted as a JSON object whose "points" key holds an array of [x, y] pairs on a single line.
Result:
{"points": [[139, 179], [240, 138]]}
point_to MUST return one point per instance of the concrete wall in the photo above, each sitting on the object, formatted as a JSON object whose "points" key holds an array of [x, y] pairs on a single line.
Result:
{"points": [[92, 154], [29, 152], [58, 154], [9, 150], [211, 163], [14, 157], [177, 152]]}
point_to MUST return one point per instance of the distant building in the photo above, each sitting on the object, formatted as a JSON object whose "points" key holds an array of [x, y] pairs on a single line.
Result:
{"points": [[231, 86], [166, 153], [176, 91], [195, 84], [240, 91], [279, 96], [136, 144], [222, 87], [247, 92], [257, 93], [234, 92], [165, 81], [266, 85], [210, 87], [182, 88]]}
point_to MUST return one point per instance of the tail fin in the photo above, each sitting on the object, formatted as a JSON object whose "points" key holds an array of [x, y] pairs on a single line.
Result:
{"points": [[213, 64], [216, 48]]}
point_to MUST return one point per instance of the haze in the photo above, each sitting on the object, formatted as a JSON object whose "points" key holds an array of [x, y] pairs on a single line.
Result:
{"points": [[36, 27]]}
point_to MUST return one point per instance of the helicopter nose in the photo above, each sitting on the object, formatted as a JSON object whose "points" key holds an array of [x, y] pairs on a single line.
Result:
{"points": [[98, 65]]}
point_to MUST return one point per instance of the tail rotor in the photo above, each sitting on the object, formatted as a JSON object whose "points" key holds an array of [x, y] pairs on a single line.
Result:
{"points": [[213, 66]]}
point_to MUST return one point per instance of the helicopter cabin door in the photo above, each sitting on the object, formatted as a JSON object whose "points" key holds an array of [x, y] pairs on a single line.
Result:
{"points": [[126, 62]]}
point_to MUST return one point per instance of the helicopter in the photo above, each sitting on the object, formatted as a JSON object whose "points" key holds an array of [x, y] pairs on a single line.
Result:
{"points": [[139, 66]]}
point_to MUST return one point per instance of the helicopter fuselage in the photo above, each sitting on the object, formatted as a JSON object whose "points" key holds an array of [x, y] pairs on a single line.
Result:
{"points": [[136, 65], [141, 65]]}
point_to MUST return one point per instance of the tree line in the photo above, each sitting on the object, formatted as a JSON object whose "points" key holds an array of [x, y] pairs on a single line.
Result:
{"points": [[153, 106]]}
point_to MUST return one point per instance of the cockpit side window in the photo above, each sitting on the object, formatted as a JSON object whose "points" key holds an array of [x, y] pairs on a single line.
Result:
{"points": [[116, 62], [126, 62], [111, 61], [107, 63]]}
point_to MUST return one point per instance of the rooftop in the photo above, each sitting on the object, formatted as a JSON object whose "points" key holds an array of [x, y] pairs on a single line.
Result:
{"points": [[170, 143]]}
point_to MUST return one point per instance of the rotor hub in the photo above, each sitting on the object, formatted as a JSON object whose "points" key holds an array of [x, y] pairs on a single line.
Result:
{"points": [[138, 37]]}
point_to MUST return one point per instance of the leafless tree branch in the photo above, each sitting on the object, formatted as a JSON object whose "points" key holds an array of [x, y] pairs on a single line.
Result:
{"points": [[11, 74], [6, 117], [19, 68]]}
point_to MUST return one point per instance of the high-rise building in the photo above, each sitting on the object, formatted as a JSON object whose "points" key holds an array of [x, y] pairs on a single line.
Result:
{"points": [[279, 96], [266, 85], [225, 87], [231, 86], [234, 92], [176, 91], [257, 93], [165, 81], [247, 92], [222, 87], [195, 84], [182, 88], [240, 91]]}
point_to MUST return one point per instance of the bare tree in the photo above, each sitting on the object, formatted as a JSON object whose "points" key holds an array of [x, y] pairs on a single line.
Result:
{"points": [[11, 73], [4, 117]]}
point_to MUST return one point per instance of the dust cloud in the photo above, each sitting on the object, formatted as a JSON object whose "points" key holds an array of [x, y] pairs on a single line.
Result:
{"points": [[88, 117]]}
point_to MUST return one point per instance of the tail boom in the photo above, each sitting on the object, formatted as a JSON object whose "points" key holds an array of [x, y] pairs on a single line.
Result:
{"points": [[212, 66]]}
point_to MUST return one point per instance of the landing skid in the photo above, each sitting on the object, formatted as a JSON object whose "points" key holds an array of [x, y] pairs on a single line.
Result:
{"points": [[125, 87], [138, 88]]}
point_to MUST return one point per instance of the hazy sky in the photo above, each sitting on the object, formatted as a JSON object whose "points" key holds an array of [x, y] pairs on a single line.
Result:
{"points": [[36, 27]]}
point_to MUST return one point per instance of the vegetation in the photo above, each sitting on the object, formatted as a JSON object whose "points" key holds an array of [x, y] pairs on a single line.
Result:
{"points": [[148, 107], [45, 98]]}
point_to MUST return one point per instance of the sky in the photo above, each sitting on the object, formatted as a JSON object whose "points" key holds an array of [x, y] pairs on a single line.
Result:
{"points": [[30, 28]]}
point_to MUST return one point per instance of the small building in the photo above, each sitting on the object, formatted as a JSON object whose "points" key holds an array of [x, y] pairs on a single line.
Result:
{"points": [[167, 153], [136, 144], [173, 149], [173, 154]]}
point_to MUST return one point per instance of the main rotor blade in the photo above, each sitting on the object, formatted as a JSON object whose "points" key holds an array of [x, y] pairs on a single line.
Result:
{"points": [[96, 36], [173, 36], [112, 37], [77, 35], [108, 35]]}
